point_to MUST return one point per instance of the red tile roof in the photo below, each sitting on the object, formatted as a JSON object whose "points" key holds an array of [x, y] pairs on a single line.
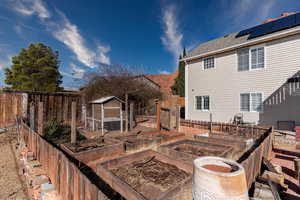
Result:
{"points": [[281, 16]]}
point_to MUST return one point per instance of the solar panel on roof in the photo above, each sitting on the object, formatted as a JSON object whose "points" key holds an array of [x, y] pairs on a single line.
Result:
{"points": [[271, 27]]}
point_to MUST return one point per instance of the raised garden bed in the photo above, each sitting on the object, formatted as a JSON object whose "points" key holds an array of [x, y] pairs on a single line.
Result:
{"points": [[93, 149], [224, 139], [140, 141], [148, 175], [189, 150]]}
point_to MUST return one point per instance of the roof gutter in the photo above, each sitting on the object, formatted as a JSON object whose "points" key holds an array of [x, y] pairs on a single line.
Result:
{"points": [[290, 32]]}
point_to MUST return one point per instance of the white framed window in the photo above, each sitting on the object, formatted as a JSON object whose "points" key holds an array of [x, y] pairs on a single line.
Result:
{"points": [[209, 63], [202, 103], [251, 102], [251, 58], [257, 57], [243, 59]]}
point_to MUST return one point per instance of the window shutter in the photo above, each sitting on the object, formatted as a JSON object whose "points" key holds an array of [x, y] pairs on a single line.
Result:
{"points": [[245, 102]]}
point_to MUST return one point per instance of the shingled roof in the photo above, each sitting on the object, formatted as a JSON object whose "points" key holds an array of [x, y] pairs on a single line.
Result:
{"points": [[226, 41]]}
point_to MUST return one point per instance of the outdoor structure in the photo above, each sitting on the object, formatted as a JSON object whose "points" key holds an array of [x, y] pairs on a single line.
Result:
{"points": [[106, 113], [20, 103], [252, 73], [165, 81]]}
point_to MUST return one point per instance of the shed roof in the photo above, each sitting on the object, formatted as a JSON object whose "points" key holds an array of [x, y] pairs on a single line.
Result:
{"points": [[105, 99]]}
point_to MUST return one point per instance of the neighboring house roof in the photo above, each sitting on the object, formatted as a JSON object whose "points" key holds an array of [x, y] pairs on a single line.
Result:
{"points": [[226, 41], [165, 81], [148, 79], [105, 99]]}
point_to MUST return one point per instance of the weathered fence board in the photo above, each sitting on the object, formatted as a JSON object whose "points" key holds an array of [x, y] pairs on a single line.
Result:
{"points": [[17, 103], [67, 178]]}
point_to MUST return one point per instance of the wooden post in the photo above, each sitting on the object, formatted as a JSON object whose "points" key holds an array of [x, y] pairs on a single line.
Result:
{"points": [[158, 115], [66, 110], [31, 116], [211, 124], [73, 124], [93, 116], [297, 167], [131, 115], [41, 118], [121, 118], [102, 118], [126, 112]]}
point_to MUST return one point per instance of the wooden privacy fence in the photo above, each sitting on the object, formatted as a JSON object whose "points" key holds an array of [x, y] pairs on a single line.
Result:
{"points": [[67, 178], [252, 159], [249, 130], [10, 107], [19, 103]]}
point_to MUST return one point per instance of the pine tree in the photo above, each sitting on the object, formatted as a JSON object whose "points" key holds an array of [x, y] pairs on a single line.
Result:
{"points": [[34, 69], [179, 86]]}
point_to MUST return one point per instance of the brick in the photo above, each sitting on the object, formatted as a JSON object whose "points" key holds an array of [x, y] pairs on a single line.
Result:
{"points": [[38, 180]]}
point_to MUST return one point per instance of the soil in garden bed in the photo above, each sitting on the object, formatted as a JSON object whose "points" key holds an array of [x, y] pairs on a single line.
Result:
{"points": [[150, 177], [88, 144], [197, 151]]}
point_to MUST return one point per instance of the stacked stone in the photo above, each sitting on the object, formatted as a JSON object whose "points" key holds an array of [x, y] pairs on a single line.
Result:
{"points": [[37, 182]]}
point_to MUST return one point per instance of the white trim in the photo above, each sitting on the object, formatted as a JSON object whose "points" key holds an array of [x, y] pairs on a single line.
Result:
{"points": [[202, 103], [186, 98], [262, 39], [250, 57]]}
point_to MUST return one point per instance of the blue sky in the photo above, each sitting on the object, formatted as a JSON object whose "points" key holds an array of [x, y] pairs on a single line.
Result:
{"points": [[148, 34]]}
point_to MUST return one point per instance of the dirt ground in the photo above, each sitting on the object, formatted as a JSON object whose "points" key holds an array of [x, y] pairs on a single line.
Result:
{"points": [[150, 176], [11, 185]]}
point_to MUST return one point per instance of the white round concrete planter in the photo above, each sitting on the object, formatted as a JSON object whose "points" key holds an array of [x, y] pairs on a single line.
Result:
{"points": [[217, 178]]}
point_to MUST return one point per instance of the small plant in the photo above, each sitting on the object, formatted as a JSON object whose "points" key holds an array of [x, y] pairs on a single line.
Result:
{"points": [[58, 133]]}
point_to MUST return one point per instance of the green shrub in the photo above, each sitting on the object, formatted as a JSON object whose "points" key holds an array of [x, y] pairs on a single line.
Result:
{"points": [[59, 133]]}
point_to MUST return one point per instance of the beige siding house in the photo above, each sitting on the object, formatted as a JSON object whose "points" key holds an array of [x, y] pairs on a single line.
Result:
{"points": [[235, 75]]}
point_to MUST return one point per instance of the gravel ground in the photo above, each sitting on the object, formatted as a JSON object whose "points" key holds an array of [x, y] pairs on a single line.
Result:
{"points": [[11, 186]]}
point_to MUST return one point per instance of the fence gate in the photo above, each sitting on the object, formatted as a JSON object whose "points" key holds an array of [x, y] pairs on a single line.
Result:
{"points": [[165, 118]]}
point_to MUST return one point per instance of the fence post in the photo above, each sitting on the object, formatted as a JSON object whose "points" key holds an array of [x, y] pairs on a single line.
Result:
{"points": [[31, 116], [41, 118], [93, 116], [126, 112], [158, 115], [73, 123], [131, 115]]}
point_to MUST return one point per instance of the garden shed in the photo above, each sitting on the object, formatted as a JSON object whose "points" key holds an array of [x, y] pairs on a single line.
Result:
{"points": [[106, 114]]}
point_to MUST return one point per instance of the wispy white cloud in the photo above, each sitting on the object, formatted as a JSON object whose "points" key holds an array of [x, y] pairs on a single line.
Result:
{"points": [[77, 72], [69, 34], [242, 11], [172, 36], [164, 72], [31, 7], [5, 61], [64, 31]]}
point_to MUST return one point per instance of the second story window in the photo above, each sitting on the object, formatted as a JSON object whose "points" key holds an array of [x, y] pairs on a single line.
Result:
{"points": [[257, 58], [209, 62], [243, 59], [253, 58]]}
